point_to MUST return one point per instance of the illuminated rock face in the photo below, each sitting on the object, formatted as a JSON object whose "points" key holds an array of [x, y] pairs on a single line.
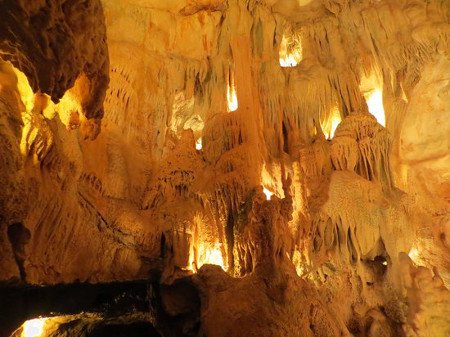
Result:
{"points": [[302, 146], [53, 43]]}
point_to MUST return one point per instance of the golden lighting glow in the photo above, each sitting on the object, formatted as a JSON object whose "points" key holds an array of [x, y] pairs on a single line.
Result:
{"points": [[371, 87], [28, 99], [414, 255], [267, 193], [210, 254], [298, 263], [25, 91], [330, 124], [66, 107], [270, 184], [375, 104], [231, 93], [198, 144], [290, 52], [33, 327], [37, 108]]}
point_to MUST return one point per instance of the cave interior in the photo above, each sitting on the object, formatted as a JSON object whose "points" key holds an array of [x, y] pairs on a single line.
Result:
{"points": [[225, 168]]}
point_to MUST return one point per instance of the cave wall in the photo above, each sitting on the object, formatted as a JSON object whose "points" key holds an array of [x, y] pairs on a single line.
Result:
{"points": [[209, 104]]}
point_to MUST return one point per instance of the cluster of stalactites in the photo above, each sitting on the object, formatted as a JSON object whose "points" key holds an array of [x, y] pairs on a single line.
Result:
{"points": [[362, 145], [326, 78], [176, 175], [263, 238]]}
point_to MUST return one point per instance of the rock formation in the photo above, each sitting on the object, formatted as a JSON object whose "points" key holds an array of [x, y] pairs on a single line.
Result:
{"points": [[285, 163]]}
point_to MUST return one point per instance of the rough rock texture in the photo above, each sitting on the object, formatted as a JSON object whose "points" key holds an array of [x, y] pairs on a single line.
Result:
{"points": [[337, 108], [272, 300], [53, 42]]}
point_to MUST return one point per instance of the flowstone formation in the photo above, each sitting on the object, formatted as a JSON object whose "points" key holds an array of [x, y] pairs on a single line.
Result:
{"points": [[270, 168]]}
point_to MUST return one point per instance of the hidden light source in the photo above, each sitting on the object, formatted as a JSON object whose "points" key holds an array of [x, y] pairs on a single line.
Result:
{"points": [[210, 254], [267, 193], [290, 52], [33, 327], [371, 86], [330, 124], [232, 99], [198, 144], [374, 101], [414, 255]]}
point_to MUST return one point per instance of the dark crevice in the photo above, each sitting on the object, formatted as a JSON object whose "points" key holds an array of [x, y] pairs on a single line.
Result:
{"points": [[285, 138], [163, 246], [19, 236], [21, 303], [176, 308], [133, 308], [229, 233]]}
